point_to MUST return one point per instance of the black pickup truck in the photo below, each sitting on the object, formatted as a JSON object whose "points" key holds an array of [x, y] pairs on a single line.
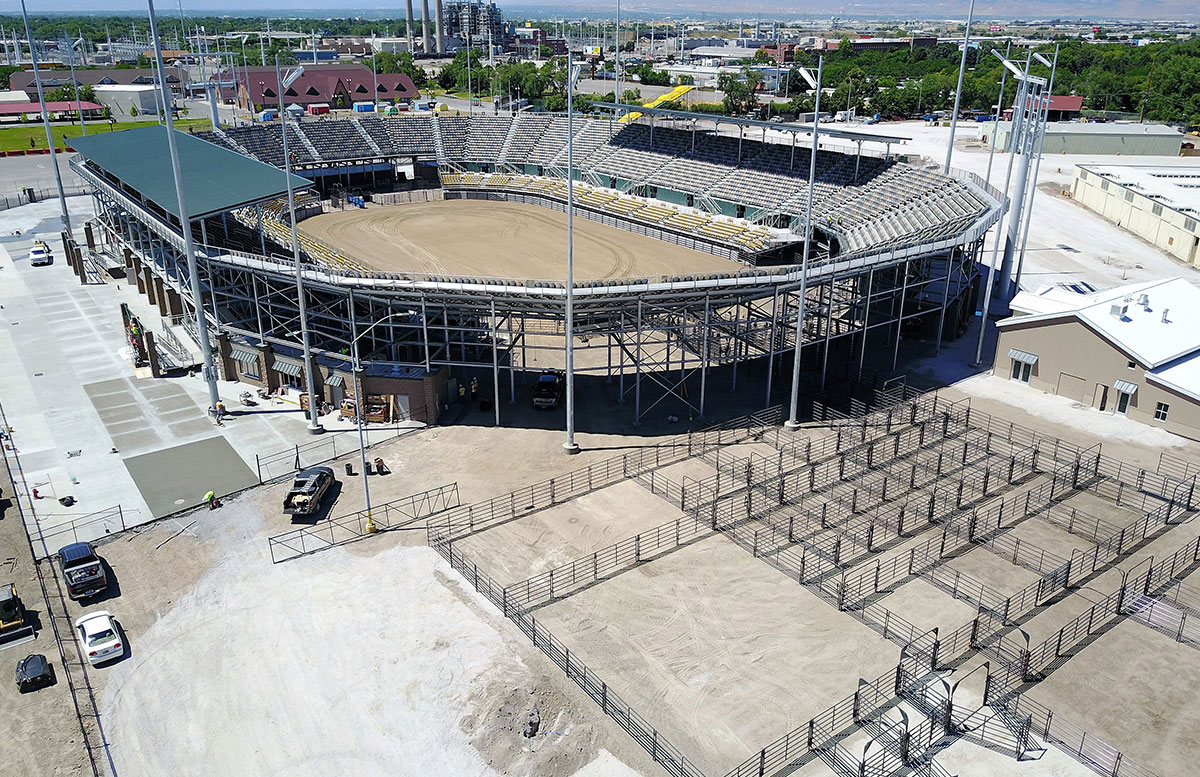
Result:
{"points": [[304, 497], [82, 570], [548, 391]]}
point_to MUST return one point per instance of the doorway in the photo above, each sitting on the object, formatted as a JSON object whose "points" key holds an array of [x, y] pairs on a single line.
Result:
{"points": [[1101, 398]]}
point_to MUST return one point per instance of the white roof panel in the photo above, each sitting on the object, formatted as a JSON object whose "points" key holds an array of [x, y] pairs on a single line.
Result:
{"points": [[1161, 320]]}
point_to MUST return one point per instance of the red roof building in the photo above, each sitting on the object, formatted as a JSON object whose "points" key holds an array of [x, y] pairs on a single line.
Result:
{"points": [[54, 107], [1063, 107], [338, 85]]}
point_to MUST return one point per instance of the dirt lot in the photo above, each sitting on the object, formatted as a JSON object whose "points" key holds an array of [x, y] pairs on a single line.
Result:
{"points": [[39, 732], [504, 239]]}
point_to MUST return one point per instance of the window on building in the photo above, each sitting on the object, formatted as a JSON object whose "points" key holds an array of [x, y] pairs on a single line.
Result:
{"points": [[1156, 210], [1160, 411], [1021, 371], [249, 370], [1123, 402], [1131, 365], [1083, 175], [1104, 185], [1189, 225], [1128, 196]]}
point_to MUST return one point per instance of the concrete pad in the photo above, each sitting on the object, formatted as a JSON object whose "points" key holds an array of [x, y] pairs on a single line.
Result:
{"points": [[178, 477]]}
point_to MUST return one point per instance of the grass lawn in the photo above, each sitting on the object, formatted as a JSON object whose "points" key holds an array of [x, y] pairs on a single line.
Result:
{"points": [[16, 137]]}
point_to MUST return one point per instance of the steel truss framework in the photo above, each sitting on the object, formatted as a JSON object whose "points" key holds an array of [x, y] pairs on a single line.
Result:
{"points": [[660, 343]]}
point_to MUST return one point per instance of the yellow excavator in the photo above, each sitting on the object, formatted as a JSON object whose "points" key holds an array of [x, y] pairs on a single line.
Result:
{"points": [[14, 625]]}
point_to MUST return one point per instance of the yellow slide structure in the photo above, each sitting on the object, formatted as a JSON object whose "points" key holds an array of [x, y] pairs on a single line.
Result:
{"points": [[674, 94]]}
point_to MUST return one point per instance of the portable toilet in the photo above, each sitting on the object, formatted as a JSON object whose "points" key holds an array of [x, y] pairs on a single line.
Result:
{"points": [[364, 107], [266, 116], [390, 110]]}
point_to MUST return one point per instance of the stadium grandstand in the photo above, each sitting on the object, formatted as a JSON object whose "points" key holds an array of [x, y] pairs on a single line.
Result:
{"points": [[893, 253]]}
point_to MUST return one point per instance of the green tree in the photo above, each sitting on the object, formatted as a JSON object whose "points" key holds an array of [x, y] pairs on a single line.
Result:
{"points": [[5, 72], [545, 52], [739, 91], [66, 93]]}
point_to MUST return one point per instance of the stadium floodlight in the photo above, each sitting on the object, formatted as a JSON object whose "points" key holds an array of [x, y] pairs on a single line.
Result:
{"points": [[290, 76], [1008, 64], [314, 409], [1043, 60], [37, 78], [570, 446], [793, 422], [185, 226], [962, 68]]}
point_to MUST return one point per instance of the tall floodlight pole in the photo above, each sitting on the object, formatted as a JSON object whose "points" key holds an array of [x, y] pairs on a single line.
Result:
{"points": [[793, 421], [987, 179], [470, 99], [37, 79], [314, 412], [570, 446], [1022, 96], [74, 83], [1043, 118], [617, 58], [185, 224], [962, 68], [1037, 87], [374, 72]]}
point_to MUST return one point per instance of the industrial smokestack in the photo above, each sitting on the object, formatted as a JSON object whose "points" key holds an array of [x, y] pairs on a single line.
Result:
{"points": [[441, 26], [409, 24], [426, 40]]}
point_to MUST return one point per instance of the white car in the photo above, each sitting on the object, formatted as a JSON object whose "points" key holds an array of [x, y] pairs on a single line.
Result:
{"points": [[99, 637], [40, 255]]}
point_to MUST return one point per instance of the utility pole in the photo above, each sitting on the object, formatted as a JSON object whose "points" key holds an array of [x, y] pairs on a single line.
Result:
{"points": [[570, 446], [962, 68]]}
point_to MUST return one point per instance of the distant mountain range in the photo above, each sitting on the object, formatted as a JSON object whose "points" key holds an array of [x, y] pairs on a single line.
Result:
{"points": [[1003, 10]]}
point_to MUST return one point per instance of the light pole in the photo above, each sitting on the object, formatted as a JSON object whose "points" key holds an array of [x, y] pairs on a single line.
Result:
{"points": [[185, 223], [962, 68], [37, 79], [793, 421], [314, 411], [570, 446], [987, 179], [360, 401], [617, 58], [1017, 125], [470, 101], [74, 83], [1037, 165]]}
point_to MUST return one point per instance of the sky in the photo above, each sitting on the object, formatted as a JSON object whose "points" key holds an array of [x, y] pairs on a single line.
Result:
{"points": [[905, 9]]}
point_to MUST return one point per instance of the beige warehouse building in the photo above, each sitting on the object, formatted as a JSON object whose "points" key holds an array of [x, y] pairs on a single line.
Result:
{"points": [[1132, 350], [1159, 203]]}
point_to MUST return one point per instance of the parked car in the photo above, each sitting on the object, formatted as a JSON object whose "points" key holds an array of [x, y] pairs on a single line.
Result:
{"points": [[34, 672], [99, 637], [548, 391], [81, 570], [307, 491], [39, 255]]}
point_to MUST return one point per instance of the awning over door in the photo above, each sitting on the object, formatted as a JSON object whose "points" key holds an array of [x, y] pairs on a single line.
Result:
{"points": [[1022, 356], [244, 355], [334, 380], [1125, 387], [287, 368]]}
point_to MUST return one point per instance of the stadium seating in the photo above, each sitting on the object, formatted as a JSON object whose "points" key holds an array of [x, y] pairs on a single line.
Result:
{"points": [[410, 134], [867, 202], [335, 140], [485, 139]]}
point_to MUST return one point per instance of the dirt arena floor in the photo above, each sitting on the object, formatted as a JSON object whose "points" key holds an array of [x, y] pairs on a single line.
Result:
{"points": [[504, 239]]}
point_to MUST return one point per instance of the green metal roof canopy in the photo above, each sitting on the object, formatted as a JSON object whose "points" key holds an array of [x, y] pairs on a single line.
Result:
{"points": [[215, 179]]}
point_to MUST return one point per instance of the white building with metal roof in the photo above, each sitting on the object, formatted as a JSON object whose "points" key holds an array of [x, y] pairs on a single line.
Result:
{"points": [[1132, 350], [1160, 203]]}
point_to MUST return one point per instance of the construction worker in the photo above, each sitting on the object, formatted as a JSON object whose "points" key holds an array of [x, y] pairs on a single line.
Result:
{"points": [[211, 500]]}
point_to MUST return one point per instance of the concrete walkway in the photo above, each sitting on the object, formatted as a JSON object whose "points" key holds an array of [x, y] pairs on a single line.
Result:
{"points": [[128, 448]]}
